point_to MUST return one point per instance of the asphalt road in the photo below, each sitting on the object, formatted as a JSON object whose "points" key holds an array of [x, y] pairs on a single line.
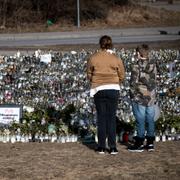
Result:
{"points": [[163, 5], [128, 35]]}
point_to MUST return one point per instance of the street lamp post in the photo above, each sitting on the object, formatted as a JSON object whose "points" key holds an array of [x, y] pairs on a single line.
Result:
{"points": [[78, 14]]}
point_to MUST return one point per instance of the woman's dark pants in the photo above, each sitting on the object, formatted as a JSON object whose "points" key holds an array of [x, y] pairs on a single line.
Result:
{"points": [[106, 102]]}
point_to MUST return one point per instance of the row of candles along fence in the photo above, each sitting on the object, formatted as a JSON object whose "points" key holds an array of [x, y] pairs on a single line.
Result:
{"points": [[121, 138], [57, 79]]}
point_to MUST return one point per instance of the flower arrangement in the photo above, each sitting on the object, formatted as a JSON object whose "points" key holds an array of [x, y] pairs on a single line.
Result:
{"points": [[57, 93]]}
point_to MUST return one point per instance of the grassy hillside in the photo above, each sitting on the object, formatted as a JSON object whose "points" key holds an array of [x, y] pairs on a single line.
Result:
{"points": [[60, 15]]}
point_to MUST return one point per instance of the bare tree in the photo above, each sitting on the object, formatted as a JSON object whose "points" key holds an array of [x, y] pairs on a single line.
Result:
{"points": [[4, 14]]}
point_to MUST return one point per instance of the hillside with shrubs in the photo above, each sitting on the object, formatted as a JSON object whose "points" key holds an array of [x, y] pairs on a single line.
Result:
{"points": [[48, 15]]}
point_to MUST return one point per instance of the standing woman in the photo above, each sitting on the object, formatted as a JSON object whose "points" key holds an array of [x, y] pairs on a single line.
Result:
{"points": [[143, 95], [105, 72]]}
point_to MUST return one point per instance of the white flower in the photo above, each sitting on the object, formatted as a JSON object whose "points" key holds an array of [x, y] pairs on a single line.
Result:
{"points": [[28, 109], [73, 52]]}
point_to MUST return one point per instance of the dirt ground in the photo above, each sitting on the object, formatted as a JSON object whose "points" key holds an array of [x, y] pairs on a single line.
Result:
{"points": [[74, 161]]}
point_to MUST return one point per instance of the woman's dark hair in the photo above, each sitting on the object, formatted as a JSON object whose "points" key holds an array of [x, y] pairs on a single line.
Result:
{"points": [[105, 42]]}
